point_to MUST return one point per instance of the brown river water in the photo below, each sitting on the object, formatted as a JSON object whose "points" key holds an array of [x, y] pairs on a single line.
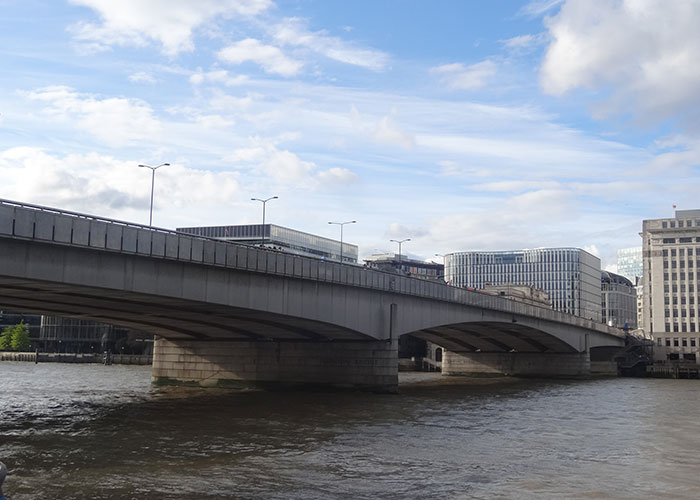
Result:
{"points": [[103, 432]]}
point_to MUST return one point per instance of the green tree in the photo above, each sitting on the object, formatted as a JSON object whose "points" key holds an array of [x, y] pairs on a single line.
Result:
{"points": [[20, 338], [6, 338]]}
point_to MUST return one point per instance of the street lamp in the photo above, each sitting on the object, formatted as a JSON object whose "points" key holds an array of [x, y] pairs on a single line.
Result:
{"points": [[153, 180], [400, 242], [264, 202], [341, 224]]}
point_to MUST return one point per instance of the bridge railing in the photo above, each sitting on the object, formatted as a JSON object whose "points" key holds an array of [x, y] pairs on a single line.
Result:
{"points": [[45, 224]]}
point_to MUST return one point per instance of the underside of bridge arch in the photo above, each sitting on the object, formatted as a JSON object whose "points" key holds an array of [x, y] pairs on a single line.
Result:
{"points": [[495, 337], [499, 348], [166, 317]]}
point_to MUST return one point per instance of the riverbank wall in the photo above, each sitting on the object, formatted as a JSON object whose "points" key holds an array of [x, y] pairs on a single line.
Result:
{"points": [[55, 357]]}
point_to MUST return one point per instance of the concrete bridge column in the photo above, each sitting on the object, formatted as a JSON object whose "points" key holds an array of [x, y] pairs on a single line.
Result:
{"points": [[517, 364], [363, 365]]}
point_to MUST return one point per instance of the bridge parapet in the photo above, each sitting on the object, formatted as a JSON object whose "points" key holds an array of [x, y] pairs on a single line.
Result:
{"points": [[52, 226]]}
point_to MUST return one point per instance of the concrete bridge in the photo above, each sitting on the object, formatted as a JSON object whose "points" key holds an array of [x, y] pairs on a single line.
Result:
{"points": [[231, 315]]}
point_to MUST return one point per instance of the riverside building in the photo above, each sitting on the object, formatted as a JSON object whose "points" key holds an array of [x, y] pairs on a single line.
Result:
{"points": [[619, 301], [569, 276], [281, 238], [671, 255]]}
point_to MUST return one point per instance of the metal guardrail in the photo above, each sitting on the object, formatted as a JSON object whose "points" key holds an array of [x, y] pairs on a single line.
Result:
{"points": [[63, 227]]}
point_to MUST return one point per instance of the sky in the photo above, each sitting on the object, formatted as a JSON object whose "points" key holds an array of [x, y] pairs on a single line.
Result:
{"points": [[462, 125]]}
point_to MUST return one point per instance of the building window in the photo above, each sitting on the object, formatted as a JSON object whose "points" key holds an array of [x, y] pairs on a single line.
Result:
{"points": [[664, 224], [668, 341], [675, 342], [673, 252], [669, 240], [685, 240], [658, 341], [693, 342], [684, 341]]}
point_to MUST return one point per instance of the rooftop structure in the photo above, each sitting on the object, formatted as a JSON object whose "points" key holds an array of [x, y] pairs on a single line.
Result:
{"points": [[282, 238], [409, 267]]}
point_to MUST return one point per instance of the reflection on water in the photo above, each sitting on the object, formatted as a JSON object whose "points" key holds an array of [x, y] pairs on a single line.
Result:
{"points": [[102, 432]]}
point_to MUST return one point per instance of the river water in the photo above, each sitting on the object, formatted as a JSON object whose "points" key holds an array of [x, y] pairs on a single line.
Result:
{"points": [[102, 432]]}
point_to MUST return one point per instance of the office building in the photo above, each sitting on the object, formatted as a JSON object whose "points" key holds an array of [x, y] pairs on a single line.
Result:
{"points": [[410, 267], [569, 276], [281, 238], [629, 263], [671, 256], [619, 301]]}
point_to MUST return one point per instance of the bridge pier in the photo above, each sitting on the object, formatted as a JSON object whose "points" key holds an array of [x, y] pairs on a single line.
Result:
{"points": [[519, 364], [361, 365]]}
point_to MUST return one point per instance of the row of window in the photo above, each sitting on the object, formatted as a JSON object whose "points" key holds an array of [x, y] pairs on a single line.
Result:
{"points": [[681, 252], [684, 342], [690, 327], [682, 275], [674, 287], [680, 263], [672, 223]]}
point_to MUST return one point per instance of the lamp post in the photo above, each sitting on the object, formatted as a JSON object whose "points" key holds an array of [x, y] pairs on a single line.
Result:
{"points": [[264, 202], [341, 224], [153, 181], [400, 242]]}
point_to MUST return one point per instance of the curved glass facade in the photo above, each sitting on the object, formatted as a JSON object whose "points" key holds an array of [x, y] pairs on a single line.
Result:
{"points": [[570, 276]]}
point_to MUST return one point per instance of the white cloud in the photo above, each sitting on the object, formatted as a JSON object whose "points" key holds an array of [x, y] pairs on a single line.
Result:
{"points": [[460, 77], [142, 77], [115, 121], [214, 121], [389, 132], [270, 58], [645, 51], [104, 185], [536, 8], [286, 168], [220, 76], [292, 31], [169, 22], [337, 176], [385, 131]]}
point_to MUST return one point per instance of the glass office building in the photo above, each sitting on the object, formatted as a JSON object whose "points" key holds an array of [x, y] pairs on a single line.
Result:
{"points": [[282, 238], [629, 263], [619, 301], [570, 276]]}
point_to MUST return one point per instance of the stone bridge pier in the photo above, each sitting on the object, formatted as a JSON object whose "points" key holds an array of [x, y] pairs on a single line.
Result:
{"points": [[362, 365]]}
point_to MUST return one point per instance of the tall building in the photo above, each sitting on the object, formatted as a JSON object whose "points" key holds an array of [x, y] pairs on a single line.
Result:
{"points": [[629, 263], [285, 239], [671, 255], [570, 276], [619, 301]]}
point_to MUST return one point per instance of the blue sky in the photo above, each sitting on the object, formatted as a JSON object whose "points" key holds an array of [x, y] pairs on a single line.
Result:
{"points": [[463, 125]]}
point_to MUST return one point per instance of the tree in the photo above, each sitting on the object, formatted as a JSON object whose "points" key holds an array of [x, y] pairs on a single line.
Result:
{"points": [[6, 338], [20, 338]]}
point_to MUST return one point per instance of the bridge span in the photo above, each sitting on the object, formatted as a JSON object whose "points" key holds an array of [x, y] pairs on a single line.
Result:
{"points": [[226, 314]]}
